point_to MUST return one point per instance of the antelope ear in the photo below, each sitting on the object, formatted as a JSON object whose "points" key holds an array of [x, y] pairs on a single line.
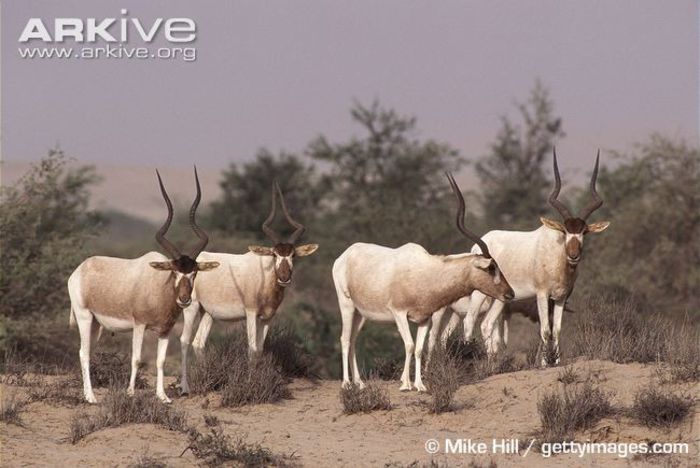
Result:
{"points": [[259, 250], [597, 227], [551, 224], [483, 263], [304, 250], [165, 266], [206, 266]]}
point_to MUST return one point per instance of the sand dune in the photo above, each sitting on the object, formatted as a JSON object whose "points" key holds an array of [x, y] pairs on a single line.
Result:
{"points": [[312, 428]]}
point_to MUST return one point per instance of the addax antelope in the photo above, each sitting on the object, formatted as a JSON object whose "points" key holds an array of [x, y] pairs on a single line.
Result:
{"points": [[136, 294], [539, 264], [249, 286], [407, 283]]}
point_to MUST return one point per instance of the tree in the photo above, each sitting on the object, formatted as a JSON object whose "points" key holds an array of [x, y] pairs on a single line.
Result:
{"points": [[45, 221], [246, 194], [387, 187], [513, 181], [652, 248]]}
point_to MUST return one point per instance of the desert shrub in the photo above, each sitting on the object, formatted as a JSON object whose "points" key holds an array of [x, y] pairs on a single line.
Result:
{"points": [[41, 346], [146, 460], [288, 352], [572, 408], [225, 367], [568, 375], [255, 382], [111, 369], [58, 391], [443, 376], [655, 407], [11, 408], [386, 368], [45, 222], [500, 363], [216, 448], [211, 371], [211, 421], [682, 355], [118, 409], [616, 331], [374, 396]]}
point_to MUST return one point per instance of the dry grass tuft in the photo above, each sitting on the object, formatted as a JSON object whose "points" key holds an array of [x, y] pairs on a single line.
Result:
{"points": [[147, 460], [658, 408], [443, 376], [288, 352], [11, 409], [60, 391], [118, 409], [573, 408], [255, 382], [373, 397], [216, 449], [225, 367], [568, 375]]}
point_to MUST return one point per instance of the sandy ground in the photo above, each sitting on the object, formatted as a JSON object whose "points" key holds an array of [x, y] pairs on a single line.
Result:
{"points": [[312, 429]]}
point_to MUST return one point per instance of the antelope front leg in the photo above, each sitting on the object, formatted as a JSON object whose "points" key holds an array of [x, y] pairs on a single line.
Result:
{"points": [[160, 360], [543, 312], [487, 327], [251, 322], [556, 327], [420, 341], [476, 300], [136, 345], [402, 324], [86, 325], [200, 339], [435, 330], [189, 314]]}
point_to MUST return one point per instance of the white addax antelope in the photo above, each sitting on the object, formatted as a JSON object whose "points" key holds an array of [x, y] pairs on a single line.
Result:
{"points": [[247, 287], [539, 264], [407, 283], [135, 294]]}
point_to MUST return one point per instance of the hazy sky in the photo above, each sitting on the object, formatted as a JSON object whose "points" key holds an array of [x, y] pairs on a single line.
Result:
{"points": [[278, 73]]}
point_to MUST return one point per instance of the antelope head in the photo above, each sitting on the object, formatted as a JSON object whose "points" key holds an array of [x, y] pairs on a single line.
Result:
{"points": [[574, 228], [183, 267], [488, 277], [284, 249]]}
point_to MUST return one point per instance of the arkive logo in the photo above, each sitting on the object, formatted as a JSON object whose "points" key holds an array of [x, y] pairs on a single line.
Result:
{"points": [[110, 30]]}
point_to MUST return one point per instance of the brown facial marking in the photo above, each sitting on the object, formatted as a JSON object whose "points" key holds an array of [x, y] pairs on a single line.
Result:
{"points": [[184, 291], [283, 270], [573, 248], [575, 225]]}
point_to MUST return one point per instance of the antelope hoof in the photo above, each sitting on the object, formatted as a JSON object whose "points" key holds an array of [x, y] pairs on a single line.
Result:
{"points": [[346, 385], [360, 384], [184, 390], [130, 391], [91, 399], [420, 387], [406, 387], [164, 398]]}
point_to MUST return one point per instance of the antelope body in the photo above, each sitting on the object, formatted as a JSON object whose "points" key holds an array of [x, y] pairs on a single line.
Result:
{"points": [[540, 264], [407, 283], [246, 287], [135, 294]]}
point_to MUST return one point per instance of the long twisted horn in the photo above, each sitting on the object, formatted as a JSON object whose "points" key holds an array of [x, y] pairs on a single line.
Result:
{"points": [[559, 206], [299, 228], [596, 202], [203, 238], [460, 218], [160, 235], [269, 232]]}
